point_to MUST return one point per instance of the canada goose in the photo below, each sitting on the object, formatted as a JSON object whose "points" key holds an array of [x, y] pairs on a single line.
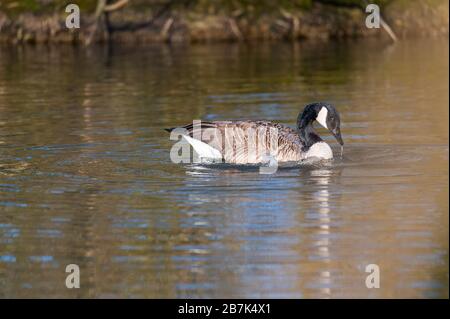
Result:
{"points": [[249, 142]]}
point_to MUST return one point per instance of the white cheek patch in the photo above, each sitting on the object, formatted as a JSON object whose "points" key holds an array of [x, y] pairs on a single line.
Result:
{"points": [[322, 117]]}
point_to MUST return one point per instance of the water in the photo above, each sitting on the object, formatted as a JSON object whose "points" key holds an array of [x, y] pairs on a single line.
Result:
{"points": [[86, 179]]}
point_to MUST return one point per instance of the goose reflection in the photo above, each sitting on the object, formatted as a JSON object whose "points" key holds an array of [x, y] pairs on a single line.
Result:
{"points": [[322, 198], [266, 218]]}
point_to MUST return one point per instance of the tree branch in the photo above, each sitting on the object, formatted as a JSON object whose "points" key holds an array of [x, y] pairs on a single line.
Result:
{"points": [[115, 6]]}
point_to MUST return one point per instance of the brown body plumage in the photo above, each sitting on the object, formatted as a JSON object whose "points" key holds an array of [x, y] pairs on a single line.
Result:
{"points": [[249, 142]]}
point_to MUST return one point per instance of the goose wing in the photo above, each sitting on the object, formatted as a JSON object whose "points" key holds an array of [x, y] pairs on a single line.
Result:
{"points": [[245, 142]]}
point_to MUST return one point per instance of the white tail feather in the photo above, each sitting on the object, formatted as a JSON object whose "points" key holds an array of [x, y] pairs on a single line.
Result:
{"points": [[202, 149]]}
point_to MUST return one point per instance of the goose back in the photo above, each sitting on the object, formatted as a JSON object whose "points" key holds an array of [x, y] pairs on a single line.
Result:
{"points": [[247, 142]]}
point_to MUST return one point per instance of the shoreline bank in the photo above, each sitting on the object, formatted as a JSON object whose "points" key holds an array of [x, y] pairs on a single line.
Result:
{"points": [[179, 24]]}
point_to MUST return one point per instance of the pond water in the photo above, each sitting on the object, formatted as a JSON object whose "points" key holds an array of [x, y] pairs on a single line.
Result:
{"points": [[86, 177]]}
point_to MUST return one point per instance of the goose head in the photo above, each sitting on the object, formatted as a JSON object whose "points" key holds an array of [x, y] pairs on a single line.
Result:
{"points": [[325, 114]]}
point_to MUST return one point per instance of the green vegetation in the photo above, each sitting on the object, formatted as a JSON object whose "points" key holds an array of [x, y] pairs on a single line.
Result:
{"points": [[254, 7], [14, 7]]}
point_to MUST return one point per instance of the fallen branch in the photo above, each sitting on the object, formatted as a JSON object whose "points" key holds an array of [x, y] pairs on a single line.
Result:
{"points": [[103, 9], [98, 13], [115, 6], [166, 27], [388, 29], [235, 29], [145, 24], [295, 27], [362, 5]]}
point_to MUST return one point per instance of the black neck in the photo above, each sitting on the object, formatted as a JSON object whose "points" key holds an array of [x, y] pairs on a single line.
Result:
{"points": [[308, 136]]}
